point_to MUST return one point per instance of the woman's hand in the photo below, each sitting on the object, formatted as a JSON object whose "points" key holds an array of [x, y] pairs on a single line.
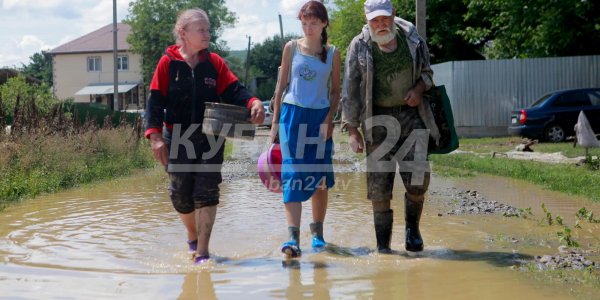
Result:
{"points": [[257, 112], [159, 148]]}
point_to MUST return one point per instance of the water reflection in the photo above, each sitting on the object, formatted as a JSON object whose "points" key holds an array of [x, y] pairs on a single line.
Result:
{"points": [[315, 284], [198, 285]]}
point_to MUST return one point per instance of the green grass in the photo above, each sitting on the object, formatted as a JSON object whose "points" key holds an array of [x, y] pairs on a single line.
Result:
{"points": [[583, 284], [567, 178], [36, 164]]}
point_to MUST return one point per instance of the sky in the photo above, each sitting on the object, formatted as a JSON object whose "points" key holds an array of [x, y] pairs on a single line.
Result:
{"points": [[30, 26]]}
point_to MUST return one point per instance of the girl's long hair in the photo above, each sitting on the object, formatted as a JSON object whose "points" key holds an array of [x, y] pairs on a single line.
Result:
{"points": [[316, 9]]}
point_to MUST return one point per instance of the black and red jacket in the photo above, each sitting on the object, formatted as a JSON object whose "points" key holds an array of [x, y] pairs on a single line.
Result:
{"points": [[178, 92]]}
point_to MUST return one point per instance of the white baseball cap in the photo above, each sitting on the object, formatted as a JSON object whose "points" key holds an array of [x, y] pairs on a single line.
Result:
{"points": [[376, 8]]}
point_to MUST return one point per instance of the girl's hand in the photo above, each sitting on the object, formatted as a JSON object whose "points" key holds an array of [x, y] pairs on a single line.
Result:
{"points": [[273, 135], [326, 130]]}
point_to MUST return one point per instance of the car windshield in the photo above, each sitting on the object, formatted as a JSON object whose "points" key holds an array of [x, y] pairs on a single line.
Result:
{"points": [[539, 102]]}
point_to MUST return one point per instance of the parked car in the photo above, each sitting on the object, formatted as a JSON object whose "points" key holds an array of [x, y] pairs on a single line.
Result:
{"points": [[268, 114], [553, 116]]}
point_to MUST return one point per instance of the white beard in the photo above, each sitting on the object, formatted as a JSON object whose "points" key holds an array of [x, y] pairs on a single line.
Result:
{"points": [[383, 39]]}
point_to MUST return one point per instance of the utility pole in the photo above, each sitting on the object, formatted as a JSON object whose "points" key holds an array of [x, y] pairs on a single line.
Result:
{"points": [[247, 63], [115, 72], [421, 18], [281, 31]]}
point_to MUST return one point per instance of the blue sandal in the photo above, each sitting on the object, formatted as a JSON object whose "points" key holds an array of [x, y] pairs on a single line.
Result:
{"points": [[318, 244], [291, 249]]}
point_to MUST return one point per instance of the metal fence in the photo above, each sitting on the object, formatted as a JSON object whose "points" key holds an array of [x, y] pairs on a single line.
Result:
{"points": [[484, 92]]}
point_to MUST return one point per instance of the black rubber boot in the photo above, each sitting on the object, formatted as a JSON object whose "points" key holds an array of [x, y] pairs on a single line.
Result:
{"points": [[383, 230], [412, 216]]}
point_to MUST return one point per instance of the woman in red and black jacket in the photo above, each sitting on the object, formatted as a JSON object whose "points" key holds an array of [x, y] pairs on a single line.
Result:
{"points": [[186, 77]]}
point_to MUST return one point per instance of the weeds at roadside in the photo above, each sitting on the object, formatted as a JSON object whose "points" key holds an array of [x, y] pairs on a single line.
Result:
{"points": [[547, 215], [587, 215], [524, 213], [593, 164], [566, 238]]}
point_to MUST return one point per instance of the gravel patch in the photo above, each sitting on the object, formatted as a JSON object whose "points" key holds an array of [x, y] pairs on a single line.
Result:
{"points": [[472, 202], [567, 258]]}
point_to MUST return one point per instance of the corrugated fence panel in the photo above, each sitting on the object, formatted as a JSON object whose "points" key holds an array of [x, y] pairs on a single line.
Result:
{"points": [[483, 93]]}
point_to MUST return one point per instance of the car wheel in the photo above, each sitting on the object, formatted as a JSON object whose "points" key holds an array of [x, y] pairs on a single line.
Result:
{"points": [[555, 133]]}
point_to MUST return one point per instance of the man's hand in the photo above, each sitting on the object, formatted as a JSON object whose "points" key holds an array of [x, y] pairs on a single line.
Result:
{"points": [[257, 112], [159, 148], [355, 140], [415, 95]]}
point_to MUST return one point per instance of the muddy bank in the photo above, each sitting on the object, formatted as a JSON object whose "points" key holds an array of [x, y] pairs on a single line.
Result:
{"points": [[462, 202]]}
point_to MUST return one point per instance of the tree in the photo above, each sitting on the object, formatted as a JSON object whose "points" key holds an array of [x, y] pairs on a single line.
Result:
{"points": [[540, 28], [444, 23], [39, 67], [19, 87], [265, 59], [152, 23], [266, 56], [345, 23]]}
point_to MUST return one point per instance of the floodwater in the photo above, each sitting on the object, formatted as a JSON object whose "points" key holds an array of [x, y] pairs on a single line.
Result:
{"points": [[122, 240]]}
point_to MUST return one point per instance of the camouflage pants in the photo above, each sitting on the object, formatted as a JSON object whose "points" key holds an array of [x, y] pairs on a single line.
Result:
{"points": [[381, 183]]}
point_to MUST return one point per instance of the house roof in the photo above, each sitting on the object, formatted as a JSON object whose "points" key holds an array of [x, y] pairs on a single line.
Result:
{"points": [[100, 40]]}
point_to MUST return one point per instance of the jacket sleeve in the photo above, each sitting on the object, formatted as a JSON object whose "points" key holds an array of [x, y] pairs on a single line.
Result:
{"points": [[426, 71], [155, 107], [229, 87], [352, 102]]}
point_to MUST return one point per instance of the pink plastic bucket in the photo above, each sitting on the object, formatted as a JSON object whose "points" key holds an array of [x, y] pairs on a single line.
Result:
{"points": [[269, 168]]}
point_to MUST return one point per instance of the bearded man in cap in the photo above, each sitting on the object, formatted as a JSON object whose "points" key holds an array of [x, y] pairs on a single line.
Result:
{"points": [[386, 73]]}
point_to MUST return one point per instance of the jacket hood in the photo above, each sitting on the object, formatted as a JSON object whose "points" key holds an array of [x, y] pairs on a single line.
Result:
{"points": [[173, 52]]}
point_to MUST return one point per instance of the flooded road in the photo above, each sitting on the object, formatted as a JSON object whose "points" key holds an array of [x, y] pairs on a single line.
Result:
{"points": [[122, 240]]}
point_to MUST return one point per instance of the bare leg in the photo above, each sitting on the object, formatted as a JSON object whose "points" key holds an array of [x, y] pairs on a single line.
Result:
{"points": [[319, 209], [319, 204], [189, 221], [205, 218], [293, 213]]}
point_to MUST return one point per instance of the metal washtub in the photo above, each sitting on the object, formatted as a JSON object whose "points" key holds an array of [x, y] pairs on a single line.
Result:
{"points": [[227, 120]]}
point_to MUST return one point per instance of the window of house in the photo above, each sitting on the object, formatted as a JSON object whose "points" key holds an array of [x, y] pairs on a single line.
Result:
{"points": [[94, 64], [122, 63]]}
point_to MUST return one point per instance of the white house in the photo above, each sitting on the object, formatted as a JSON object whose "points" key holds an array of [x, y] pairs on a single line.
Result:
{"points": [[83, 69]]}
